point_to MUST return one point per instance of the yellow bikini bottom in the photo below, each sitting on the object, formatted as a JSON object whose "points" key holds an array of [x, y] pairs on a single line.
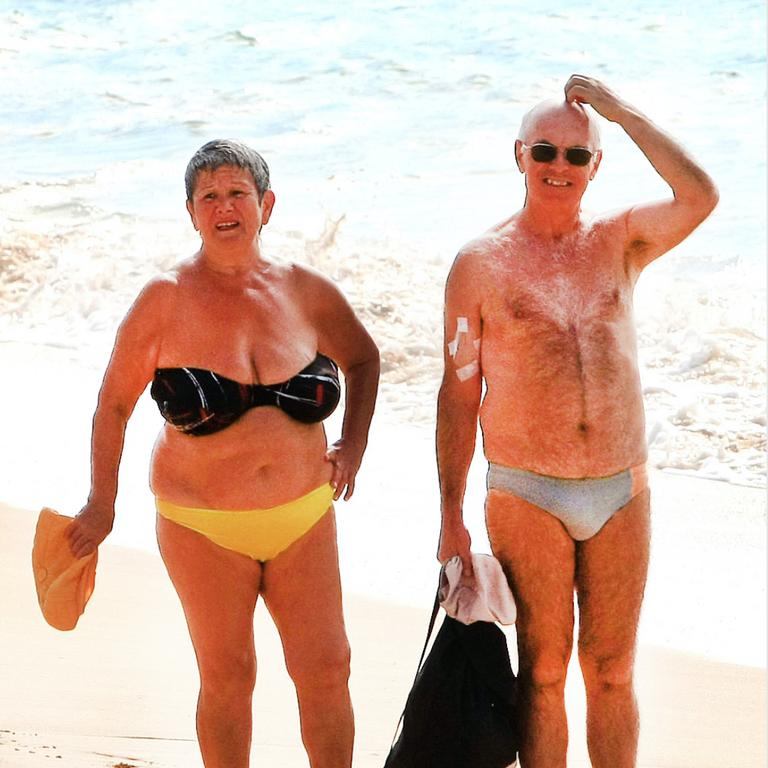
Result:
{"points": [[258, 533]]}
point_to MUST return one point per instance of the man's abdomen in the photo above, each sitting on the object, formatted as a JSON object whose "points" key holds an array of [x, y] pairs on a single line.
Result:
{"points": [[564, 402]]}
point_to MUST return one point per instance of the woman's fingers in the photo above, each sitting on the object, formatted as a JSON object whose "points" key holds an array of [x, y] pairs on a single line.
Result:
{"points": [[80, 543], [89, 528], [344, 472]]}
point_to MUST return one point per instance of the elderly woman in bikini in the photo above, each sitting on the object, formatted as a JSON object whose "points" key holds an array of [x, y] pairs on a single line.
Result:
{"points": [[242, 353]]}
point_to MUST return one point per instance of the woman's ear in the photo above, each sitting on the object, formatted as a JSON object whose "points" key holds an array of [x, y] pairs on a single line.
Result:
{"points": [[267, 204], [191, 212]]}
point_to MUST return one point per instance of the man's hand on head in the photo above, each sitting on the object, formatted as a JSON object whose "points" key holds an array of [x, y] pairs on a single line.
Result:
{"points": [[587, 90]]}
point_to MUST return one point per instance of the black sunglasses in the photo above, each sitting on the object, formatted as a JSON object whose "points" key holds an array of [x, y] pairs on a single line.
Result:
{"points": [[546, 153]]}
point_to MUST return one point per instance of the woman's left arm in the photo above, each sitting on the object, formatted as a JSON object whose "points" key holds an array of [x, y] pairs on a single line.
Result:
{"points": [[342, 337]]}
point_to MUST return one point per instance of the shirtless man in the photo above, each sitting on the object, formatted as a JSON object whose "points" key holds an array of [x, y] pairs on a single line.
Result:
{"points": [[540, 307]]}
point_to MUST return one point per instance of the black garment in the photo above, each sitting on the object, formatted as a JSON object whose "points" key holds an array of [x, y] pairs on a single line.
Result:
{"points": [[199, 402], [460, 712]]}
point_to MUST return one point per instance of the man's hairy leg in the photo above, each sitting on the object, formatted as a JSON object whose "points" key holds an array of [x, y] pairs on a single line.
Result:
{"points": [[611, 570], [539, 559]]}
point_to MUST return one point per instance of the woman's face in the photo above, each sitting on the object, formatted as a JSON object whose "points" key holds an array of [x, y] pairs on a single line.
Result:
{"points": [[225, 207]]}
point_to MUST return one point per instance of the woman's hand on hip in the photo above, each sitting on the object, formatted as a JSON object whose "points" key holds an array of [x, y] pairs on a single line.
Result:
{"points": [[346, 459]]}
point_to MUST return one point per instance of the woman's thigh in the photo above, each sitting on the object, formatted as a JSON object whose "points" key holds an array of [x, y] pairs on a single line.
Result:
{"points": [[218, 590], [302, 590]]}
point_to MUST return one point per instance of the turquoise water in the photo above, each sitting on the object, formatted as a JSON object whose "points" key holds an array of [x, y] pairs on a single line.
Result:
{"points": [[410, 107]]}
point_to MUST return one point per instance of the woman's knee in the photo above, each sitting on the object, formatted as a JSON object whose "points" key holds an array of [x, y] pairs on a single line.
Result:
{"points": [[228, 675], [312, 665]]}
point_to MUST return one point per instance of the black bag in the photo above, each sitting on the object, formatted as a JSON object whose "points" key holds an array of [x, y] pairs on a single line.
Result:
{"points": [[460, 712]]}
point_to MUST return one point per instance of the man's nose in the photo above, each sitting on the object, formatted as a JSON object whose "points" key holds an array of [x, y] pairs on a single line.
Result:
{"points": [[559, 163]]}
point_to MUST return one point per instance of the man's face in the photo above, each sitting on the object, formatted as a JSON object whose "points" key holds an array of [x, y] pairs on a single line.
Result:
{"points": [[557, 174]]}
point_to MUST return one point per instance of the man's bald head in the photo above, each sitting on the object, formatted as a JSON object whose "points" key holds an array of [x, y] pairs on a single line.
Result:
{"points": [[559, 115]]}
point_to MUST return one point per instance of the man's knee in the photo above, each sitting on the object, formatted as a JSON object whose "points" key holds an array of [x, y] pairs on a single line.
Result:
{"points": [[320, 667], [606, 670], [546, 672]]}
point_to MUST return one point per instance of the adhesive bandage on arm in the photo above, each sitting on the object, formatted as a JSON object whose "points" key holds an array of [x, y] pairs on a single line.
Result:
{"points": [[464, 353]]}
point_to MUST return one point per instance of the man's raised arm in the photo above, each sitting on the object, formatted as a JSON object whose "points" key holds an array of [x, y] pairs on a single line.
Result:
{"points": [[653, 228]]}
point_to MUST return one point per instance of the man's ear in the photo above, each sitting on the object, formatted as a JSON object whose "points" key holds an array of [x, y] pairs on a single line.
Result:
{"points": [[596, 163], [519, 155]]}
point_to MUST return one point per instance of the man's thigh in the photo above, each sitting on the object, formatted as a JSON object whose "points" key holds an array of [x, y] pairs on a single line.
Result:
{"points": [[538, 557], [611, 572]]}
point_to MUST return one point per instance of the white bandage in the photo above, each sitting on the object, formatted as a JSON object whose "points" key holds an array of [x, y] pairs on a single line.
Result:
{"points": [[462, 326], [466, 358], [467, 371]]}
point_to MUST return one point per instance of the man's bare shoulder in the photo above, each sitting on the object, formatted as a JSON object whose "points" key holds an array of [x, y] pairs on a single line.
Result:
{"points": [[484, 251], [608, 221]]}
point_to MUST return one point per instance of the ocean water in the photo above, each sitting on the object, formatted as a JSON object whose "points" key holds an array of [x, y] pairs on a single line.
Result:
{"points": [[389, 130]]}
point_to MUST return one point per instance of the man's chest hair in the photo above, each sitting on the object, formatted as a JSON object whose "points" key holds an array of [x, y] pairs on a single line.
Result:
{"points": [[566, 301]]}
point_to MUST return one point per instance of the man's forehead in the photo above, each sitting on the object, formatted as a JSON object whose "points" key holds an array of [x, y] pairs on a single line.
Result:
{"points": [[561, 117]]}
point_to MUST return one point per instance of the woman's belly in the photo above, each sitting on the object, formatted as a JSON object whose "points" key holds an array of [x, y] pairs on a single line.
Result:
{"points": [[262, 460]]}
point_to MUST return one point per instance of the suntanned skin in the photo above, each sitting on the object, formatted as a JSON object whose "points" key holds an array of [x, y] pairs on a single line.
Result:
{"points": [[547, 297], [232, 310]]}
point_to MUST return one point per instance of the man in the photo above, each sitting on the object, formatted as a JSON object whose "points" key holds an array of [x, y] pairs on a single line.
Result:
{"points": [[540, 308]]}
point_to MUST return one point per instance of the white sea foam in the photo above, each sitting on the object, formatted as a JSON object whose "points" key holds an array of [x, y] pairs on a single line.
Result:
{"points": [[70, 277]]}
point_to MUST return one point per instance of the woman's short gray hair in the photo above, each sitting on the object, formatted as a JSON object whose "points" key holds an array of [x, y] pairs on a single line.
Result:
{"points": [[220, 152]]}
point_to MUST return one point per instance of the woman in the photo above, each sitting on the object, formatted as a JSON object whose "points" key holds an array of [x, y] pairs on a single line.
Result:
{"points": [[240, 351]]}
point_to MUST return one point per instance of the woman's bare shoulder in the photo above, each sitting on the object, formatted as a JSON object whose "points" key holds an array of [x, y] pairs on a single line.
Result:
{"points": [[308, 279], [157, 296], [161, 286]]}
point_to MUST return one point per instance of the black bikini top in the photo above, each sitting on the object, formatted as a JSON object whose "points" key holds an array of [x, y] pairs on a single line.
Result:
{"points": [[198, 402]]}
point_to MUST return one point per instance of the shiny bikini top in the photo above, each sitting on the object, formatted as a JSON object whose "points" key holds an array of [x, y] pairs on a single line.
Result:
{"points": [[199, 402]]}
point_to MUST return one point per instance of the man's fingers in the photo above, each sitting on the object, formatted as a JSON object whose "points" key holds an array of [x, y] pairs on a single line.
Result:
{"points": [[576, 93]]}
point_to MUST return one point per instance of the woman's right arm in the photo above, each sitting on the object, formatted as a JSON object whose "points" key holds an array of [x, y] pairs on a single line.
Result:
{"points": [[131, 367]]}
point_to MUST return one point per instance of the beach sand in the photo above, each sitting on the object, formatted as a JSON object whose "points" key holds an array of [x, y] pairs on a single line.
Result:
{"points": [[120, 689]]}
